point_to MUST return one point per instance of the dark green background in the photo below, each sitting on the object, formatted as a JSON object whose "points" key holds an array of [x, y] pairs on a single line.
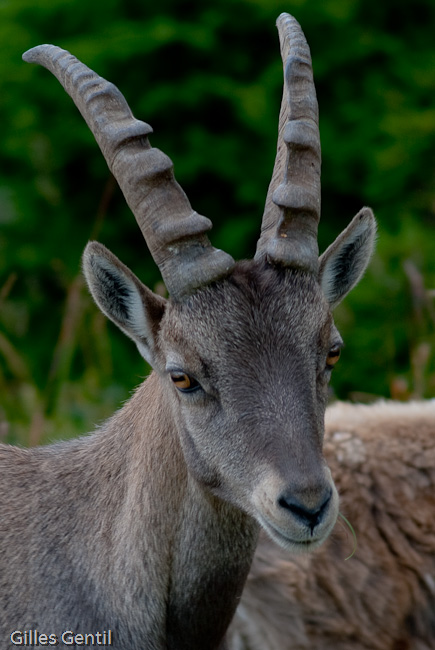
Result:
{"points": [[207, 76]]}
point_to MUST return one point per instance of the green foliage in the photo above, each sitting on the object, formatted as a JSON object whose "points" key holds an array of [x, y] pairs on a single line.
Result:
{"points": [[208, 77]]}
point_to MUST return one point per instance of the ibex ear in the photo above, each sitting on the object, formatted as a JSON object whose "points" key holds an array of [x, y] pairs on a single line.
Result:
{"points": [[123, 298], [342, 265]]}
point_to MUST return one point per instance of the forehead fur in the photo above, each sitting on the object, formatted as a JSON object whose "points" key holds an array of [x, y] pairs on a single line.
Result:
{"points": [[256, 302]]}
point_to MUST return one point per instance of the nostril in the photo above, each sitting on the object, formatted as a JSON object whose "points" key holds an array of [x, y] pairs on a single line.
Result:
{"points": [[310, 516]]}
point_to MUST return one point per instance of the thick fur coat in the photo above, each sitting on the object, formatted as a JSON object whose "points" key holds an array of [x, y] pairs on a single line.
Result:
{"points": [[382, 458]]}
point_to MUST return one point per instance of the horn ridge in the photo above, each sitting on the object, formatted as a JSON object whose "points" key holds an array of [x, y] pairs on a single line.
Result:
{"points": [[92, 94], [174, 232], [292, 211]]}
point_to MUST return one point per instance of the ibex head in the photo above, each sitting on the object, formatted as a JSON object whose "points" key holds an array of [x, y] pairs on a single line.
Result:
{"points": [[244, 351]]}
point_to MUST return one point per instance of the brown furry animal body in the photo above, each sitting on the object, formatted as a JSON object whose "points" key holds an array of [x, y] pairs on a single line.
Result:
{"points": [[382, 458]]}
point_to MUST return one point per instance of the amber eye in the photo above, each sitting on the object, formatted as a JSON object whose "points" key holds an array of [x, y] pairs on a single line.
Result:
{"points": [[333, 356], [184, 382]]}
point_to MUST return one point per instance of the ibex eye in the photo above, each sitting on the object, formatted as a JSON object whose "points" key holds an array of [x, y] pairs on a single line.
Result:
{"points": [[333, 356], [184, 382]]}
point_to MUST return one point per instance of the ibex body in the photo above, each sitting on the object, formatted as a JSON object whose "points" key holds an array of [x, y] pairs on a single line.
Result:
{"points": [[147, 527]]}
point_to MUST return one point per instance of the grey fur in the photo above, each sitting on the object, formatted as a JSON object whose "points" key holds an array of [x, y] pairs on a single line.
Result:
{"points": [[383, 598], [147, 526]]}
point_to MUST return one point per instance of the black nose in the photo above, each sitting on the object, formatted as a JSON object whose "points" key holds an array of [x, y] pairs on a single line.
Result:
{"points": [[309, 516]]}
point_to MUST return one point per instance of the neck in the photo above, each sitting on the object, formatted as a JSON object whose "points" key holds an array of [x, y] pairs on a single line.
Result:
{"points": [[212, 554], [197, 547]]}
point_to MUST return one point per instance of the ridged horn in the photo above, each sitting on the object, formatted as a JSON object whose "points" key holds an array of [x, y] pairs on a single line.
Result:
{"points": [[292, 211], [174, 233]]}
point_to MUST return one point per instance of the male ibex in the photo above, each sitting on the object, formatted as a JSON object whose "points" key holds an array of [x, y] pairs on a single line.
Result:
{"points": [[147, 527]]}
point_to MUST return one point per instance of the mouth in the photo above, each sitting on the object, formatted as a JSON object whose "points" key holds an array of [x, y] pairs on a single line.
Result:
{"points": [[296, 546]]}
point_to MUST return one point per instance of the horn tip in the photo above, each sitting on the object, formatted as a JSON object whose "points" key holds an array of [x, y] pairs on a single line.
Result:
{"points": [[34, 54], [285, 17]]}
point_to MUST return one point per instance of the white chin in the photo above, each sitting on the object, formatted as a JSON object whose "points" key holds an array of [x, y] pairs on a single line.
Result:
{"points": [[290, 544]]}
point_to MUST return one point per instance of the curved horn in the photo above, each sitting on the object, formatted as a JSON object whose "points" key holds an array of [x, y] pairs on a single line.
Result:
{"points": [[175, 234], [292, 210]]}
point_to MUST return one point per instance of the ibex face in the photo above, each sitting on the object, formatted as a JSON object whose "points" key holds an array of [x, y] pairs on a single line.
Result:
{"points": [[255, 350], [244, 351], [246, 364]]}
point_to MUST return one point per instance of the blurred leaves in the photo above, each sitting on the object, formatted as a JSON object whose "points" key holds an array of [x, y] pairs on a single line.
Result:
{"points": [[208, 78]]}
